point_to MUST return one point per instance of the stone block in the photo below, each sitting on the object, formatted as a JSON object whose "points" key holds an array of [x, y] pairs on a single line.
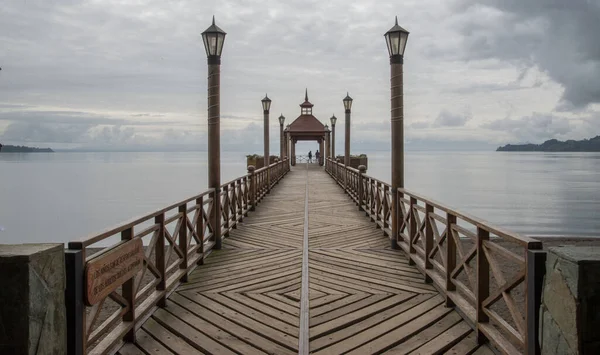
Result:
{"points": [[32, 303], [570, 311]]}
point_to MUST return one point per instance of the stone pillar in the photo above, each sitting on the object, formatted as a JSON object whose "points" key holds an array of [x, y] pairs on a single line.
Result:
{"points": [[570, 310], [32, 299]]}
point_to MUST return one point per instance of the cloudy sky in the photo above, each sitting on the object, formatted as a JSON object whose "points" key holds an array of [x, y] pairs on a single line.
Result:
{"points": [[132, 73]]}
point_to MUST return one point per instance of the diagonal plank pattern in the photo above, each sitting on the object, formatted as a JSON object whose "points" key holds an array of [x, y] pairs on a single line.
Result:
{"points": [[363, 297]]}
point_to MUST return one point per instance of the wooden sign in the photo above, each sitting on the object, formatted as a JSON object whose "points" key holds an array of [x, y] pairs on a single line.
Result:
{"points": [[108, 271]]}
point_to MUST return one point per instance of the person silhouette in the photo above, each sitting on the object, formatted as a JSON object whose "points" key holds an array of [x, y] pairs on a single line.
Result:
{"points": [[317, 156], [310, 156]]}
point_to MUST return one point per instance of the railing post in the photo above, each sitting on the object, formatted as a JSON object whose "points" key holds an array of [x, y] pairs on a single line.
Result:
{"points": [[450, 257], [74, 265], [483, 282], [183, 241], [534, 280], [269, 178], [361, 171], [159, 251], [428, 240], [414, 229], [233, 203], [200, 228], [128, 291], [225, 226], [386, 208]]}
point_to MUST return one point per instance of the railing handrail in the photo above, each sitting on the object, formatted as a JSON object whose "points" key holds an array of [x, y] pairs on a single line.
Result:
{"points": [[435, 238], [120, 227]]}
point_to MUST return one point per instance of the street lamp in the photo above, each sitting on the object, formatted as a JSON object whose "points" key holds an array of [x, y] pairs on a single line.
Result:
{"points": [[213, 38], [266, 104], [347, 106], [396, 39], [281, 140], [333, 119]]}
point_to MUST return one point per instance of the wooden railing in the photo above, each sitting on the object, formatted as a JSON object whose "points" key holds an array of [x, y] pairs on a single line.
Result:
{"points": [[482, 270], [112, 289]]}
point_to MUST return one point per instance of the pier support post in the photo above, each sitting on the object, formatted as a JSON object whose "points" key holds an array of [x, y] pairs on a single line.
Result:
{"points": [[361, 190]]}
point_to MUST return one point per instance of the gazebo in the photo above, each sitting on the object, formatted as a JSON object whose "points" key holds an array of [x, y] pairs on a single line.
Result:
{"points": [[306, 128]]}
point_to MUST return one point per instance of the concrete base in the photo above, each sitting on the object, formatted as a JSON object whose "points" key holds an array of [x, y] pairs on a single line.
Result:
{"points": [[32, 299], [570, 311]]}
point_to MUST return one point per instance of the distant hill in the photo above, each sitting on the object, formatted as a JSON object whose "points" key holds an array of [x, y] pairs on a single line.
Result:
{"points": [[23, 149], [554, 145]]}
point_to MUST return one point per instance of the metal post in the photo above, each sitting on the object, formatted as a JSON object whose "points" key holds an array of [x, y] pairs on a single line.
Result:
{"points": [[74, 301], [266, 151], [214, 144], [536, 270], [333, 142], [397, 113], [281, 139], [347, 143]]}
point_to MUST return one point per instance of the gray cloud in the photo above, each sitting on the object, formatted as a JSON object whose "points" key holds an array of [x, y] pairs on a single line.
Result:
{"points": [[532, 128], [557, 36], [449, 119]]}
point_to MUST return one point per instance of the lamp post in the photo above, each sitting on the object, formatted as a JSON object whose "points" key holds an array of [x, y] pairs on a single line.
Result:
{"points": [[347, 106], [396, 39], [213, 39], [281, 139], [266, 104], [333, 119], [327, 143]]}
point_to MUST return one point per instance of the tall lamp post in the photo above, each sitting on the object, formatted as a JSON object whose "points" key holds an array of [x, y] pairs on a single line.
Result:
{"points": [[396, 39], [266, 104], [333, 119], [281, 138], [213, 39], [347, 106]]}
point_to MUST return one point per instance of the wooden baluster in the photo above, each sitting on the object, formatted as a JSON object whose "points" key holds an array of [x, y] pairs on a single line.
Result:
{"points": [[183, 241], [372, 186], [386, 208], [378, 206], [414, 229], [200, 226], [159, 255], [225, 230], [450, 257], [361, 192], [233, 204], [483, 282], [428, 239], [128, 292], [252, 192]]}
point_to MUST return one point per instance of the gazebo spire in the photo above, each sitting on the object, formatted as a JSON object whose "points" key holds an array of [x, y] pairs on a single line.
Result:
{"points": [[306, 95]]}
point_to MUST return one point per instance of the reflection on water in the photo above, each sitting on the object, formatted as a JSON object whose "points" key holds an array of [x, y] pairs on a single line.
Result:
{"points": [[64, 196]]}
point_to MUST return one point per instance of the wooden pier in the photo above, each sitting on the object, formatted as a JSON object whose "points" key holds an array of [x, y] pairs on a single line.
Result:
{"points": [[363, 297], [306, 265]]}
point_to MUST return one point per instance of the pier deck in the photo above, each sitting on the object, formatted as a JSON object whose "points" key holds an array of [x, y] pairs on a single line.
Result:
{"points": [[256, 294]]}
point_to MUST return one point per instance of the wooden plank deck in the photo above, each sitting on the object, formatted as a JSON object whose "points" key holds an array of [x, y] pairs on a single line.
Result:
{"points": [[363, 297]]}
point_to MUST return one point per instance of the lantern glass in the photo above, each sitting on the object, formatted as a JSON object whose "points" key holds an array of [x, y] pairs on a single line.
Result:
{"points": [[347, 102], [333, 119], [266, 103], [281, 120], [396, 39], [213, 39]]}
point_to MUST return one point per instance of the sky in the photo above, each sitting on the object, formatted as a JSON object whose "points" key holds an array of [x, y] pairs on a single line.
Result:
{"points": [[131, 74]]}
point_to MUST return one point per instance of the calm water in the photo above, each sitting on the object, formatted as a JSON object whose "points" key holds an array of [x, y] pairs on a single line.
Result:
{"points": [[63, 196]]}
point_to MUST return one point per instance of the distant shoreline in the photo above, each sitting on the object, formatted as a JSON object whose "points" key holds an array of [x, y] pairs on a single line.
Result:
{"points": [[554, 145], [23, 149]]}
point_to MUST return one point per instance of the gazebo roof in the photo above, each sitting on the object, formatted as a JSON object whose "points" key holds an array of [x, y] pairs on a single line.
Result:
{"points": [[306, 123]]}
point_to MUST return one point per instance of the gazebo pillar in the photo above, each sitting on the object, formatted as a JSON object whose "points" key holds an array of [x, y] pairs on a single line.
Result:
{"points": [[321, 152], [327, 145], [293, 153]]}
